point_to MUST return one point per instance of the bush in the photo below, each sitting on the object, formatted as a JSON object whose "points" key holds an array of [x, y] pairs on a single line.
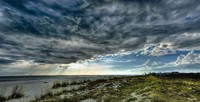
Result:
{"points": [[153, 79], [132, 99], [74, 83], [155, 97], [48, 94], [64, 84], [56, 85], [17, 92], [2, 98]]}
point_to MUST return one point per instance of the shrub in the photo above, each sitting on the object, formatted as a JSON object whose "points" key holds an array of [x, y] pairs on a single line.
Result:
{"points": [[74, 83], [17, 92], [64, 84], [48, 94], [56, 85], [153, 79], [2, 98], [155, 97], [132, 99]]}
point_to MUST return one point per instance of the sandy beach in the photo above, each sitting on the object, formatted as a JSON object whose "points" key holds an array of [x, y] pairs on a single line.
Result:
{"points": [[34, 88], [169, 87]]}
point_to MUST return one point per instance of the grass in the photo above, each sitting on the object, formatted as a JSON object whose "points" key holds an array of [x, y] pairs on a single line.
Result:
{"points": [[107, 92], [151, 88], [2, 98], [132, 99], [47, 95], [17, 92], [57, 84]]}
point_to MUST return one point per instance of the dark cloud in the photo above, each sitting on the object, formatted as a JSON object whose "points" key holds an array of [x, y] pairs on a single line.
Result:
{"points": [[65, 31], [6, 61]]}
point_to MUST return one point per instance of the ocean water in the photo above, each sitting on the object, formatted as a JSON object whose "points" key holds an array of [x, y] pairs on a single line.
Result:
{"points": [[65, 77]]}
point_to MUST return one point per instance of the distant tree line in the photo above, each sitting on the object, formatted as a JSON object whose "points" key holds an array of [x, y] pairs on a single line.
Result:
{"points": [[175, 75]]}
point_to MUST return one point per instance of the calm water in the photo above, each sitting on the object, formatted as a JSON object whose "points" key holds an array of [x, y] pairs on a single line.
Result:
{"points": [[25, 78]]}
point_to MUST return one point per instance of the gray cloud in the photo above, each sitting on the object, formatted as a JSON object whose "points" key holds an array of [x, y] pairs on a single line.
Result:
{"points": [[65, 31], [189, 59], [6, 61], [158, 50]]}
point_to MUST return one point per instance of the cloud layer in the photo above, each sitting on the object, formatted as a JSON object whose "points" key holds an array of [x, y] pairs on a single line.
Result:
{"points": [[66, 31]]}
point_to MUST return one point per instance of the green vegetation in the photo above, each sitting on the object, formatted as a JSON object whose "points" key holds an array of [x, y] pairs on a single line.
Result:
{"points": [[2, 98], [57, 84], [17, 92], [153, 88]]}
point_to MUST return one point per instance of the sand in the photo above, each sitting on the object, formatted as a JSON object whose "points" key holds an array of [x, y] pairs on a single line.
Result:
{"points": [[36, 88]]}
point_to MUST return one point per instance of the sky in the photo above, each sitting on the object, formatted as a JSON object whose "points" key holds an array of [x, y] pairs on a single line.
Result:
{"points": [[99, 37]]}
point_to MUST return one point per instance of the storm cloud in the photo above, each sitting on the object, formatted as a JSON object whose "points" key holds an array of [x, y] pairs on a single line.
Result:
{"points": [[66, 31]]}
